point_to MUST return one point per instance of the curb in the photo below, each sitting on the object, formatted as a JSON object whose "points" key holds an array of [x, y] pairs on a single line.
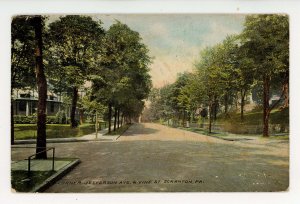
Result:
{"points": [[123, 132], [17, 142], [231, 139], [55, 177]]}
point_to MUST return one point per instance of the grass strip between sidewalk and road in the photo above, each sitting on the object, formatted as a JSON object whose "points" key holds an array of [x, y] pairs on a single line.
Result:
{"points": [[224, 135], [119, 131]]}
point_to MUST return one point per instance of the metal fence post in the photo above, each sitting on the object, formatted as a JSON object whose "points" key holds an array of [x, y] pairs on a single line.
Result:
{"points": [[28, 166], [53, 159]]}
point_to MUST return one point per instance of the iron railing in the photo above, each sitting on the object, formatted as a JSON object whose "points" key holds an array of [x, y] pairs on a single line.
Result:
{"points": [[30, 157], [46, 150]]}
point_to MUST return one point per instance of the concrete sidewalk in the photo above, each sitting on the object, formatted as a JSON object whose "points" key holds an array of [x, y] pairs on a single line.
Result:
{"points": [[38, 165], [90, 137]]}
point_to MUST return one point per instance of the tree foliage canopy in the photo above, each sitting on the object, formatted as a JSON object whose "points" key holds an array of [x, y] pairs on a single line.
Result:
{"points": [[256, 59]]}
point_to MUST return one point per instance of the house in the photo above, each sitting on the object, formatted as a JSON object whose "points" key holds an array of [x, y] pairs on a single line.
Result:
{"points": [[25, 102]]}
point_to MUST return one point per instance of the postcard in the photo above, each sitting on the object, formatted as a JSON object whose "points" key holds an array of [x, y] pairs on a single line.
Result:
{"points": [[150, 102]]}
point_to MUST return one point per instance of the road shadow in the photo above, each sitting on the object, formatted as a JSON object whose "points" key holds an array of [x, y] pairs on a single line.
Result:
{"points": [[138, 129]]}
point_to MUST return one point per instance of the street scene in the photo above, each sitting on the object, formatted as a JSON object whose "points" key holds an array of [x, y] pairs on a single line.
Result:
{"points": [[150, 103], [167, 159]]}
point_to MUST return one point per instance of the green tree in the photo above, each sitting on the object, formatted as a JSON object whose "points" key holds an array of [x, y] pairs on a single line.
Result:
{"points": [[74, 43], [159, 104], [245, 75], [226, 60], [172, 101], [165, 109], [266, 38], [124, 75], [211, 85], [28, 68], [236, 72], [181, 99], [151, 113], [22, 58]]}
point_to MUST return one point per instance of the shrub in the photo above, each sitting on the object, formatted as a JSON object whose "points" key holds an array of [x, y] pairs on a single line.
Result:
{"points": [[61, 117], [51, 120], [23, 119]]}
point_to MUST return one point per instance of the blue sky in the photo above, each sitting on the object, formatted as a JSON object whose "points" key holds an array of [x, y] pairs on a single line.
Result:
{"points": [[175, 40]]}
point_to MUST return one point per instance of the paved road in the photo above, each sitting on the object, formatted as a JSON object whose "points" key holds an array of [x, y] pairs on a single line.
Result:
{"points": [[152, 157]]}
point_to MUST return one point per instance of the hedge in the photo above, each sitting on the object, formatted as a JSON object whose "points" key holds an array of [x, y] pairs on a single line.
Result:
{"points": [[22, 119]]}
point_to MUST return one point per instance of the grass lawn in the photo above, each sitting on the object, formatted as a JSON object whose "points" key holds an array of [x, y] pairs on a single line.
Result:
{"points": [[280, 137], [28, 131], [255, 117], [251, 126], [218, 133], [21, 182], [253, 123]]}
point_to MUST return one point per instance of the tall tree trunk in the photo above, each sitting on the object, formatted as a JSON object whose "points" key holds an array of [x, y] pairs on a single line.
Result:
{"points": [[243, 94], [266, 106], [81, 112], [236, 101], [42, 90], [66, 114], [122, 118], [96, 124], [285, 89], [12, 130], [193, 116], [183, 118], [115, 119], [118, 118], [215, 109], [109, 117], [226, 104], [210, 117], [73, 109]]}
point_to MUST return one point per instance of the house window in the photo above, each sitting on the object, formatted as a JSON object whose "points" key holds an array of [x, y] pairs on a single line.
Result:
{"points": [[22, 105], [51, 107]]}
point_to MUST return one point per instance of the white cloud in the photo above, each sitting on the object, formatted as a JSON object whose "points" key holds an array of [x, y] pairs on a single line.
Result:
{"points": [[164, 69], [158, 30], [169, 62], [217, 33]]}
